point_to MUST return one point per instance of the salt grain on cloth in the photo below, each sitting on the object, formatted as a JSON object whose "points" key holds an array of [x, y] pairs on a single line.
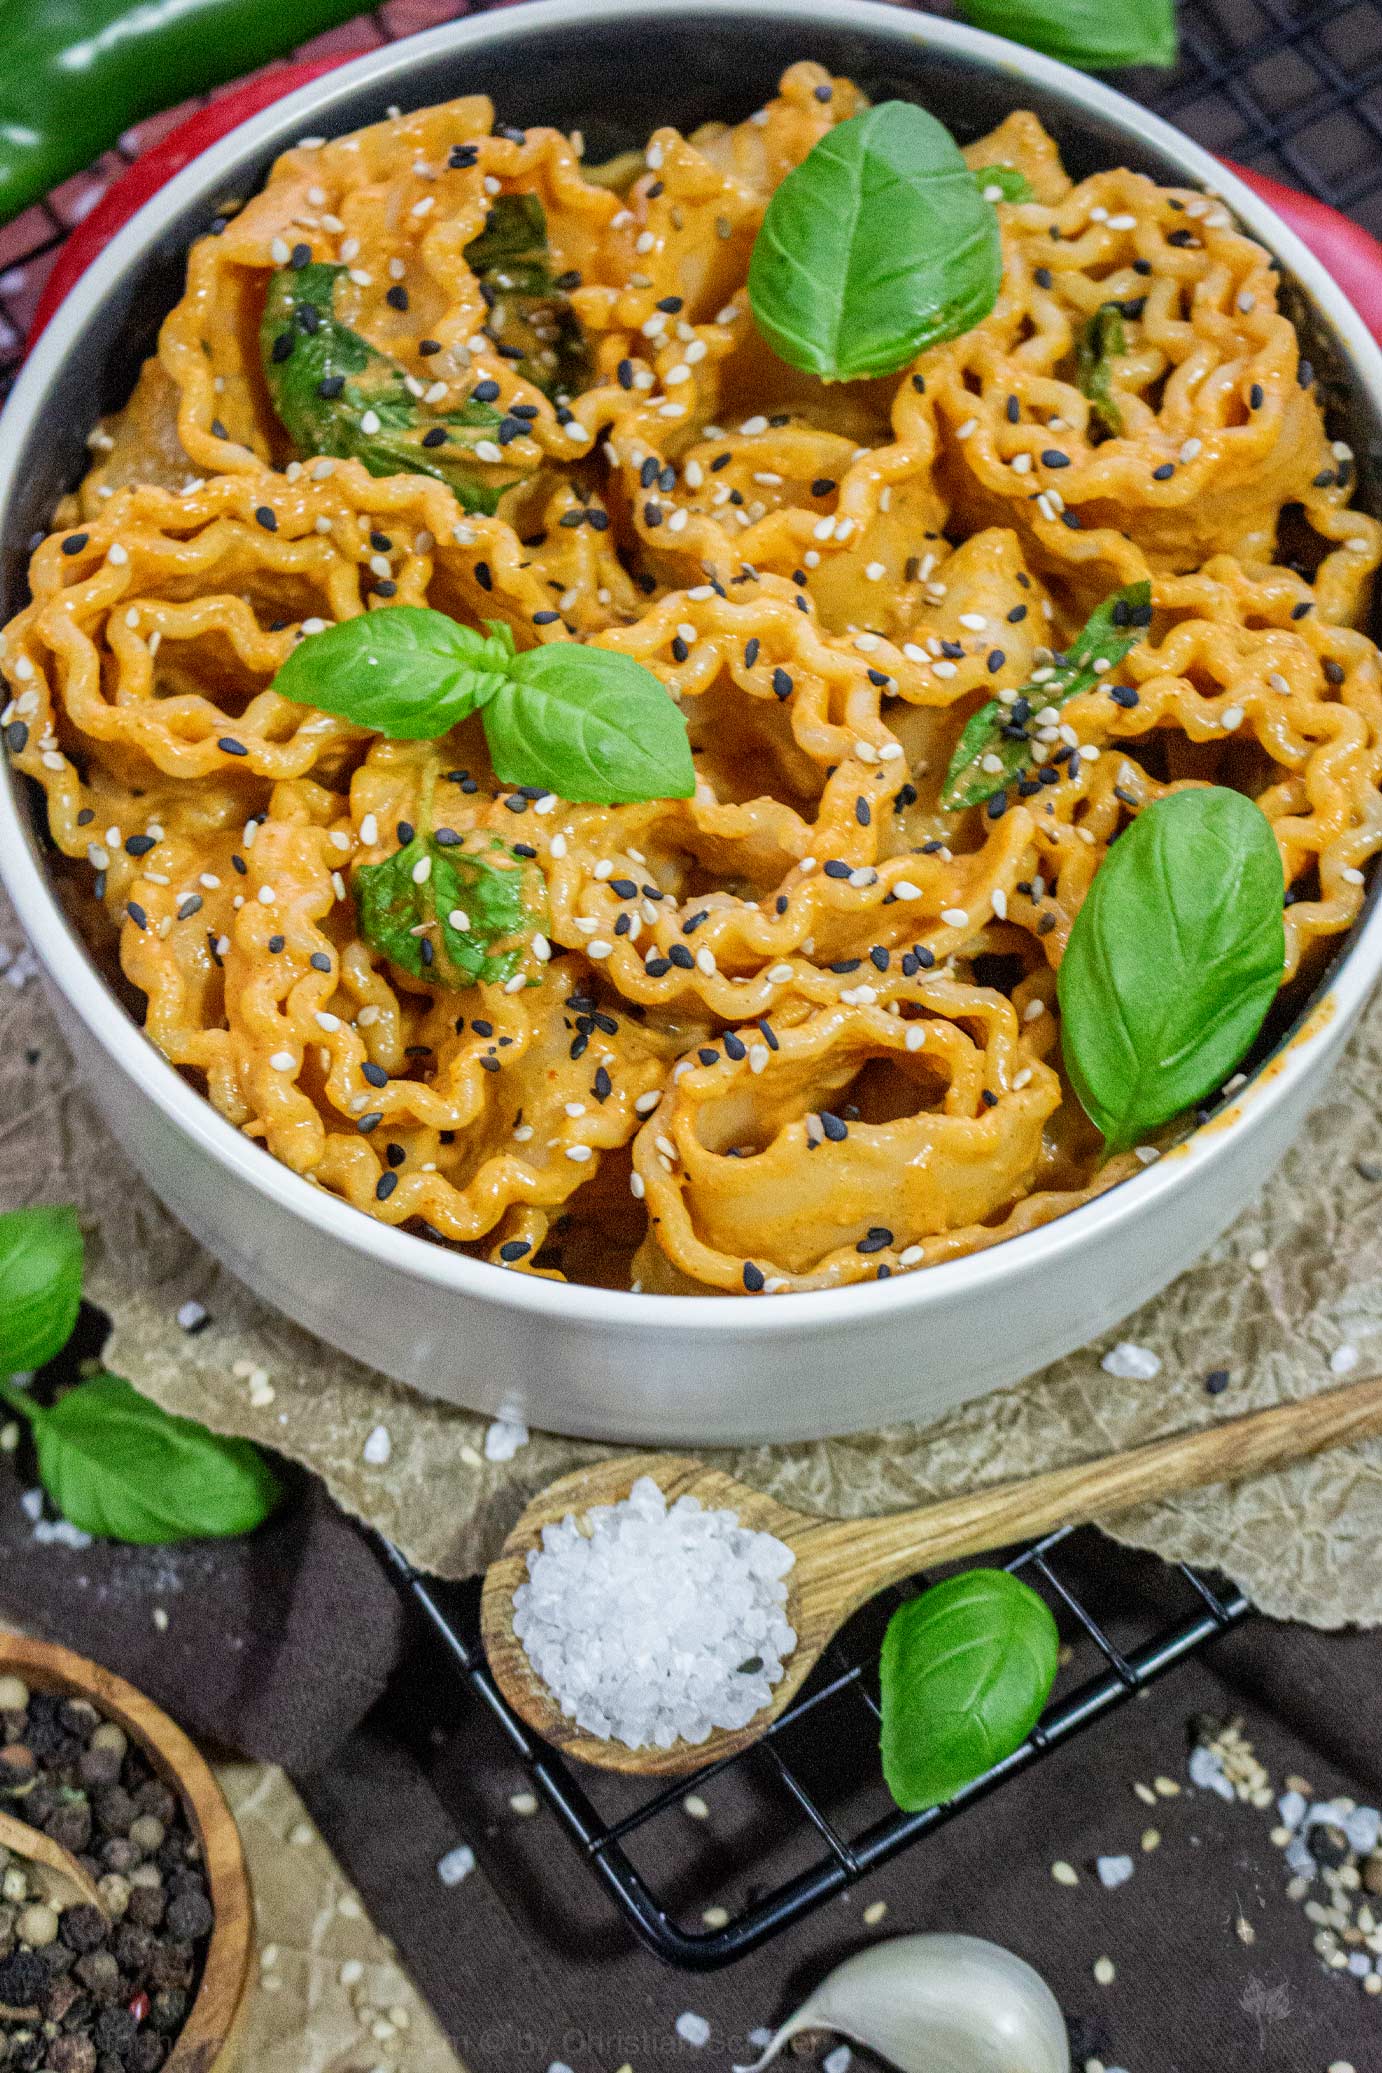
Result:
{"points": [[1131, 1363]]}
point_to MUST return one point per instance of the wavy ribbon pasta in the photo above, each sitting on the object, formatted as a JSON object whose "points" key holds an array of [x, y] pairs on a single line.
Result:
{"points": [[800, 1029]]}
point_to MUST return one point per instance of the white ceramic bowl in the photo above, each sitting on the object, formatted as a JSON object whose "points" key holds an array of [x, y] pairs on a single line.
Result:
{"points": [[575, 1359]]}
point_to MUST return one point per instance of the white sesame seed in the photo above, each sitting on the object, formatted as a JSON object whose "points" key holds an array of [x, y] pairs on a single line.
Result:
{"points": [[752, 426], [1231, 718], [1351, 875], [1122, 222], [758, 1057], [598, 948], [1358, 546], [1021, 463], [955, 917], [279, 252], [975, 621], [422, 870], [557, 845], [283, 1061], [1000, 903], [964, 431], [578, 1154], [330, 1023], [1191, 449], [486, 450], [646, 1103], [705, 962], [916, 1036], [943, 669], [369, 423], [676, 375]]}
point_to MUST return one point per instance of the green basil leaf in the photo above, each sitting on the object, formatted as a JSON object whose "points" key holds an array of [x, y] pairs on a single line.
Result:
{"points": [[1097, 35], [965, 1671], [118, 1466], [404, 670], [336, 394], [1013, 186], [527, 311], [876, 246], [40, 1285], [1102, 341], [1173, 961], [590, 724], [492, 896], [995, 747], [587, 723]]}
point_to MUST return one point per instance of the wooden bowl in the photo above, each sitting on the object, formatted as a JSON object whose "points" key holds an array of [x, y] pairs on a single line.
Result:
{"points": [[208, 2040]]}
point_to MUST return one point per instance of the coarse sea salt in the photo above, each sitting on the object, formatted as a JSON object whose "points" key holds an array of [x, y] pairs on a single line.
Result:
{"points": [[652, 1624]]}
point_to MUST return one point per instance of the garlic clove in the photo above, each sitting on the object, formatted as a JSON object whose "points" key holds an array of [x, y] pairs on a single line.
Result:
{"points": [[937, 2004]]}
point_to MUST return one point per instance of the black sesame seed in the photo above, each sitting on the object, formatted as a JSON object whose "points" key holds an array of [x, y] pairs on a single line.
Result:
{"points": [[330, 385], [680, 651], [397, 297], [231, 747], [137, 915], [492, 1064], [769, 1036], [708, 1055], [1042, 277], [428, 347], [545, 618], [190, 906], [1255, 396], [996, 660], [682, 957], [267, 517], [835, 867], [436, 437], [1299, 611], [75, 542], [782, 683], [16, 737], [1124, 695], [1216, 1381], [1052, 457], [753, 1277], [751, 652], [835, 1127], [375, 1074], [1071, 520], [989, 1098], [721, 460], [843, 965], [878, 1240], [919, 384], [735, 1047], [880, 957], [483, 576], [385, 1186], [862, 812], [657, 967], [140, 845], [625, 374], [1017, 615], [1182, 237], [281, 348]]}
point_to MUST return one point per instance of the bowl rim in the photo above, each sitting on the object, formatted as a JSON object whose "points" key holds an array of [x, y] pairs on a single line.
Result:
{"points": [[1301, 1050]]}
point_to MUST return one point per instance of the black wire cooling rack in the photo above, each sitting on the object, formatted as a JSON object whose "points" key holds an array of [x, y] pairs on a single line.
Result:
{"points": [[813, 1783], [1294, 90]]}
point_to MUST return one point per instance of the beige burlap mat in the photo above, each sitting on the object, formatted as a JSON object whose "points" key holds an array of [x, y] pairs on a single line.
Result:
{"points": [[1288, 1301]]}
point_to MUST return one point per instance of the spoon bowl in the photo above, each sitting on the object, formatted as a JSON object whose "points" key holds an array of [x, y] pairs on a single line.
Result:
{"points": [[841, 1563]]}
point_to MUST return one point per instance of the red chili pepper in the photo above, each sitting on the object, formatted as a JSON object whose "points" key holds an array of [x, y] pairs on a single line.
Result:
{"points": [[1347, 252], [158, 165], [139, 2007]]}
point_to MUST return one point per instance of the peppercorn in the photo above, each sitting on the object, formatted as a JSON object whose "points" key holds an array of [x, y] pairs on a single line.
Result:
{"points": [[79, 1717], [70, 1825], [18, 1766], [170, 1965], [46, 1733], [120, 1854], [13, 1725], [146, 1906], [154, 1797], [27, 2052], [147, 1833], [115, 1810], [132, 1946], [115, 2031], [72, 2055], [115, 1895], [99, 1971], [23, 1977], [61, 1998], [147, 2053], [58, 1959], [168, 2012], [189, 1916], [41, 1799], [98, 1766], [37, 1925], [83, 1928], [7, 1916]]}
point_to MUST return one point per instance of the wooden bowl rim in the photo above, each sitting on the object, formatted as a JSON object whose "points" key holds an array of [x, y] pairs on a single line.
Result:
{"points": [[221, 1993]]}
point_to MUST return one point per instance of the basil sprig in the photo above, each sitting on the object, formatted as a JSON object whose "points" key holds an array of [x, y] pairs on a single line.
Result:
{"points": [[966, 1669], [1097, 35], [458, 923], [1173, 961], [999, 735], [114, 1464], [586, 723], [40, 1285], [876, 246], [1101, 341]]}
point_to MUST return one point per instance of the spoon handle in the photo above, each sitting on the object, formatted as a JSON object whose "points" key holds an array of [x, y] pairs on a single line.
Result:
{"points": [[848, 1560]]}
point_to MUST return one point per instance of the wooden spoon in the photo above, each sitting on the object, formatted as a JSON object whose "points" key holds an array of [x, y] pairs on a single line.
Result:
{"points": [[842, 1563], [64, 1880]]}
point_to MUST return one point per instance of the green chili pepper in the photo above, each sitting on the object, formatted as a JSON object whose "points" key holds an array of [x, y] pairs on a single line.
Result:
{"points": [[78, 73]]}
